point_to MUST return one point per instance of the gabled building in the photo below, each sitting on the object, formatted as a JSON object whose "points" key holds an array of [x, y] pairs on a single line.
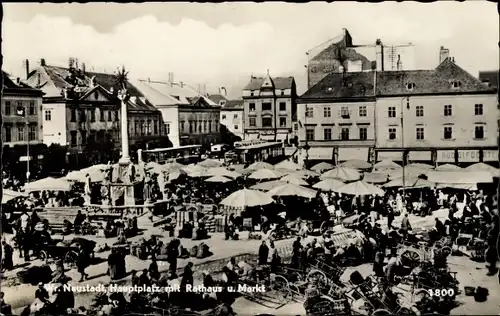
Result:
{"points": [[231, 114], [81, 111], [22, 124], [442, 115], [337, 118], [189, 117], [270, 108]]}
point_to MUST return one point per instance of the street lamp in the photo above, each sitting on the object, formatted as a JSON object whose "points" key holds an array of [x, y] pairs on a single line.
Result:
{"points": [[403, 144]]}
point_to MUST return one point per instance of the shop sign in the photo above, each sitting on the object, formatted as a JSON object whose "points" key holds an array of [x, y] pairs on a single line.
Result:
{"points": [[446, 156], [345, 154], [490, 155], [468, 156], [420, 156], [390, 155]]}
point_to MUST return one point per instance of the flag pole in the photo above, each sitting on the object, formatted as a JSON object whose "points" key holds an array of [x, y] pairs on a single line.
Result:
{"points": [[27, 146]]}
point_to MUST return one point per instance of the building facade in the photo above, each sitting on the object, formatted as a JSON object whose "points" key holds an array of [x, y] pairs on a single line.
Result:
{"points": [[231, 115], [337, 118], [189, 118], [22, 124], [270, 108], [443, 115], [81, 111]]}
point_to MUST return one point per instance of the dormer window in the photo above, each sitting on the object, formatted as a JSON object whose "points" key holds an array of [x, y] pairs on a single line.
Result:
{"points": [[222, 103], [410, 86], [251, 93], [282, 92], [456, 84]]}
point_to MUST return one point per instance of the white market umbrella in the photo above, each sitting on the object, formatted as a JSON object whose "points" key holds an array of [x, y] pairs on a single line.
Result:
{"points": [[48, 184], [95, 172], [481, 166], [218, 179], [448, 167], [409, 172], [304, 173], [356, 164], [360, 188], [386, 165], [199, 174], [322, 166], [268, 185], [175, 174], [247, 198], [287, 165], [263, 174], [423, 166], [294, 180], [173, 166], [291, 189], [8, 195], [210, 163], [193, 168], [342, 173], [329, 184], [375, 177], [224, 172], [260, 165]]}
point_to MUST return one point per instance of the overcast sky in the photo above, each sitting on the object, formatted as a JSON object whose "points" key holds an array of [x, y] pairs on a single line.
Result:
{"points": [[223, 44]]}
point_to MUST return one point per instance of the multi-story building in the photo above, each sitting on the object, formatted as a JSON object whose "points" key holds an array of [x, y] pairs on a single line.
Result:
{"points": [[270, 108], [443, 115], [337, 118], [81, 111], [490, 78], [22, 123], [189, 117], [231, 115]]}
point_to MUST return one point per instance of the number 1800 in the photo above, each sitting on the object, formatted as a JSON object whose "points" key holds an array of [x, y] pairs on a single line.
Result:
{"points": [[442, 292]]}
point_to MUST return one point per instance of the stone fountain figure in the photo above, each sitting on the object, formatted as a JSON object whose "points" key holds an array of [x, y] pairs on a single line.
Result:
{"points": [[148, 189]]}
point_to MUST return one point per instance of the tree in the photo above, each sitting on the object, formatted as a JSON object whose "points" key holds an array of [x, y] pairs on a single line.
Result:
{"points": [[121, 78]]}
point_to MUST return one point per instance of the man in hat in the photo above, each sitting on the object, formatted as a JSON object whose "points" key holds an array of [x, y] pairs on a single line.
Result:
{"points": [[41, 293]]}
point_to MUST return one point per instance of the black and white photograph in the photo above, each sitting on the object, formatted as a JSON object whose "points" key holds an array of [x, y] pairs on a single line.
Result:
{"points": [[240, 158]]}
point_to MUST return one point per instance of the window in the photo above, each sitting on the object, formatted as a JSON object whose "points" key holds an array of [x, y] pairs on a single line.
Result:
{"points": [[363, 133], [251, 93], [190, 127], [110, 116], [448, 132], [419, 110], [420, 133], [327, 112], [20, 132], [116, 115], [282, 121], [327, 134], [32, 133], [282, 92], [205, 126], [479, 132], [478, 109], [209, 127], [235, 126], [251, 122], [251, 107], [456, 84], [167, 131], [222, 102], [73, 138], [392, 133], [150, 127], [73, 115], [155, 127], [200, 126], [223, 116], [32, 108], [266, 106], [295, 126], [362, 110], [8, 108], [83, 116], [344, 135], [282, 106], [344, 112], [84, 137], [235, 116], [310, 133], [48, 115], [142, 127], [448, 110], [137, 127], [8, 133], [410, 86], [96, 95], [267, 122], [92, 115], [391, 111], [309, 112], [101, 114]]}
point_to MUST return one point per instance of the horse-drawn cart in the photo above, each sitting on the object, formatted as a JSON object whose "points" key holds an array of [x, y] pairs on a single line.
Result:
{"points": [[66, 250]]}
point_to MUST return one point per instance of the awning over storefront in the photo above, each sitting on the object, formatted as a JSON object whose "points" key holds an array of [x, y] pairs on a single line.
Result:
{"points": [[390, 155], [420, 156], [445, 156], [321, 153], [468, 156], [490, 155], [460, 177], [267, 137], [353, 153], [281, 137]]}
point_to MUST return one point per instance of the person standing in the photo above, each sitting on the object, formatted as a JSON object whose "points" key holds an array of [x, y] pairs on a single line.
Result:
{"points": [[187, 277], [8, 263], [405, 225], [82, 262], [297, 246], [263, 253], [172, 254], [113, 264]]}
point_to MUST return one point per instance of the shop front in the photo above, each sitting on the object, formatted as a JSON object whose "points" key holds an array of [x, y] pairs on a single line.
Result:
{"points": [[325, 154], [396, 156], [353, 153], [420, 157]]}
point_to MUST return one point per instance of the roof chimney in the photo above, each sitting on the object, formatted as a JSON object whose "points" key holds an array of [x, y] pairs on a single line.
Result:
{"points": [[182, 84], [379, 52], [444, 53], [18, 80], [42, 62], [27, 67]]}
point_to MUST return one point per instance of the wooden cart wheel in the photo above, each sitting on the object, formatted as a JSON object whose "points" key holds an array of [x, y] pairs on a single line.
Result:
{"points": [[296, 294], [317, 277], [280, 286], [324, 227], [70, 259], [44, 256], [410, 257], [380, 312], [446, 251]]}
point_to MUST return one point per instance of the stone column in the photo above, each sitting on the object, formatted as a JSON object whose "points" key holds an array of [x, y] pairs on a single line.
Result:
{"points": [[125, 158]]}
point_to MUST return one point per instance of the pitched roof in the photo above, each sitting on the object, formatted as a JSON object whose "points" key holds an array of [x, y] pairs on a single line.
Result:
{"points": [[433, 81], [233, 105], [140, 104], [217, 98], [343, 85], [10, 86], [279, 83], [490, 77]]}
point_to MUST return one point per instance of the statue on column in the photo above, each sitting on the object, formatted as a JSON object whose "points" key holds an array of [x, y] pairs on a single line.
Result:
{"points": [[148, 189], [106, 187], [88, 189], [161, 184]]}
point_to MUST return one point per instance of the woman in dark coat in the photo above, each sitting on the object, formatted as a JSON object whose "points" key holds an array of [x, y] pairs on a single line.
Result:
{"points": [[263, 253], [8, 251], [113, 262], [154, 273]]}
